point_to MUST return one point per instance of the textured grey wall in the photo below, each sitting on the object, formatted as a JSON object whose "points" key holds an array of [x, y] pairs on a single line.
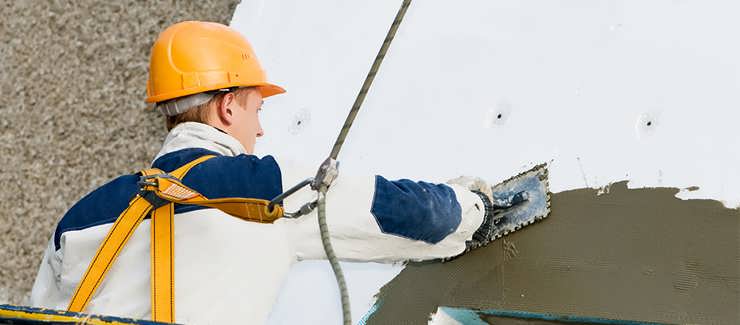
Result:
{"points": [[72, 85]]}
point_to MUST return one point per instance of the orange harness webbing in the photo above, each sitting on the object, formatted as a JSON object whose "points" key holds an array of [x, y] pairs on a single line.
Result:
{"points": [[159, 193]]}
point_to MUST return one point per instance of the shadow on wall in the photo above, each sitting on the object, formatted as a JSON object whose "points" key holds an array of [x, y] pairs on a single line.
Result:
{"points": [[72, 111], [639, 254]]}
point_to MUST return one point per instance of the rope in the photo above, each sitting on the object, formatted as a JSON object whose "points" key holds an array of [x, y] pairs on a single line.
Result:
{"points": [[332, 257], [323, 228], [369, 80]]}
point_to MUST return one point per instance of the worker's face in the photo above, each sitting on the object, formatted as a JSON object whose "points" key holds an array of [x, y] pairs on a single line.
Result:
{"points": [[244, 117]]}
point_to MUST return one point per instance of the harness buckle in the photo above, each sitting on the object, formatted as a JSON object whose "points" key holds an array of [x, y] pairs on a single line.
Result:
{"points": [[148, 180], [149, 194], [153, 180]]}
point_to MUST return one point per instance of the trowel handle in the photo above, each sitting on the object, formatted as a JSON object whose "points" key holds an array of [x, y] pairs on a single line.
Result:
{"points": [[511, 201]]}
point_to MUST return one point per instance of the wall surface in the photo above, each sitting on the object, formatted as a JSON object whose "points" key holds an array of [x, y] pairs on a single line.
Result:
{"points": [[72, 87], [631, 254], [605, 91]]}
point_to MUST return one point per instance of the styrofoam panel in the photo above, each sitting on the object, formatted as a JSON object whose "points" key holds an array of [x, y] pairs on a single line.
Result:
{"points": [[602, 90]]}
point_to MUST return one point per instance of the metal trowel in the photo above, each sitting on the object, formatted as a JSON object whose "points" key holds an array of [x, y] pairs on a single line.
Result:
{"points": [[521, 201], [517, 202]]}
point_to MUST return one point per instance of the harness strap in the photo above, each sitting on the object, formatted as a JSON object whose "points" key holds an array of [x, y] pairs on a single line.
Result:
{"points": [[159, 192], [117, 236], [255, 210], [163, 264], [163, 254]]}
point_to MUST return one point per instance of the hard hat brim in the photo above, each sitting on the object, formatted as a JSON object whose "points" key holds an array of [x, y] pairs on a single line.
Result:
{"points": [[266, 89], [269, 89]]}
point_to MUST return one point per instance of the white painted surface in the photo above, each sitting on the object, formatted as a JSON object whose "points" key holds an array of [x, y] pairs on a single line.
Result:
{"points": [[576, 83], [310, 294]]}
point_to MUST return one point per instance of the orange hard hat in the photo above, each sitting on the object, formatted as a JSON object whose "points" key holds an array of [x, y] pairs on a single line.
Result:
{"points": [[193, 57]]}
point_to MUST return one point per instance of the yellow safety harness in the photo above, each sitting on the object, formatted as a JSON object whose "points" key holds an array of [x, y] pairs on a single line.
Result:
{"points": [[159, 193]]}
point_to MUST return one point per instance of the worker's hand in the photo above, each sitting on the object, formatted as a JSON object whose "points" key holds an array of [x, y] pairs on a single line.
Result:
{"points": [[484, 233], [475, 184]]}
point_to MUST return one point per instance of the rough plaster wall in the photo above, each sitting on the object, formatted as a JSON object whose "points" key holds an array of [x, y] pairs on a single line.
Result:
{"points": [[72, 84], [632, 254]]}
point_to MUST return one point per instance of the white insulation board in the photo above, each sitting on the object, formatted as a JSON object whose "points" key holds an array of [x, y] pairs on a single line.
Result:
{"points": [[645, 91]]}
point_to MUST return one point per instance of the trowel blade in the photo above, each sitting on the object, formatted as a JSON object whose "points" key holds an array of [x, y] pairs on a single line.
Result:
{"points": [[537, 206]]}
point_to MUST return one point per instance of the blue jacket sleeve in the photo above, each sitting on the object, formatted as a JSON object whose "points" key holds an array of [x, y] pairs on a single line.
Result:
{"points": [[415, 210]]}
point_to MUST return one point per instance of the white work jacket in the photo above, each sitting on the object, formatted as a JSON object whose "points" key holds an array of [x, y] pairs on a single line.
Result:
{"points": [[229, 271]]}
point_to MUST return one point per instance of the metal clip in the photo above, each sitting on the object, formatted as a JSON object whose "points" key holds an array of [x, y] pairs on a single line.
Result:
{"points": [[289, 192], [304, 210], [327, 173]]}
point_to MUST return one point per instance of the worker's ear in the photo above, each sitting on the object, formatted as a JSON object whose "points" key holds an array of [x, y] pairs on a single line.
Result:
{"points": [[225, 109]]}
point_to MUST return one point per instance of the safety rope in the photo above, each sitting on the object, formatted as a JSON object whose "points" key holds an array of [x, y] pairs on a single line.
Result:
{"points": [[369, 80], [323, 228]]}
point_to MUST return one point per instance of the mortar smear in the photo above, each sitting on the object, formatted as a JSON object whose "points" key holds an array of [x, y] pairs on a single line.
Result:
{"points": [[635, 254]]}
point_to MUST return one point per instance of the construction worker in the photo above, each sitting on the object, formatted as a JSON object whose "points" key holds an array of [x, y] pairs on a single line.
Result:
{"points": [[205, 78]]}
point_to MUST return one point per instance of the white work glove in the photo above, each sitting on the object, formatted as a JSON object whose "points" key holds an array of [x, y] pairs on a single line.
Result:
{"points": [[474, 184], [484, 233]]}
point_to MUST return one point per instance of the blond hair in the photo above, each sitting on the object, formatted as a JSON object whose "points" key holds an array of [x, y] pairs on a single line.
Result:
{"points": [[201, 113]]}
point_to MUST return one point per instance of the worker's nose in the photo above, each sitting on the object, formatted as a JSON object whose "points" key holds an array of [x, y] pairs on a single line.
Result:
{"points": [[260, 131]]}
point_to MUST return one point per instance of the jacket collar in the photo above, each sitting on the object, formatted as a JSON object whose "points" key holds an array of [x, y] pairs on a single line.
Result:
{"points": [[198, 135]]}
